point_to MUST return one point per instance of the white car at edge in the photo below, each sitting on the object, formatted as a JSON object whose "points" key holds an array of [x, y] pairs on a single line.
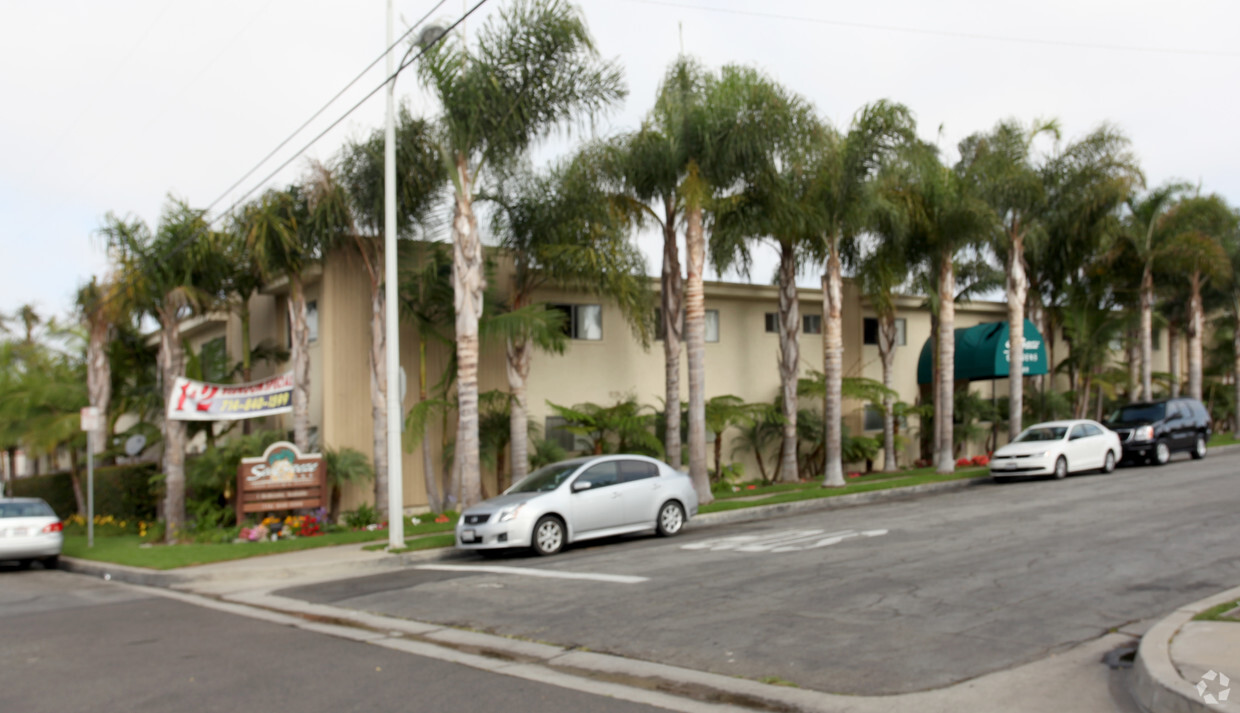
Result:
{"points": [[1058, 448]]}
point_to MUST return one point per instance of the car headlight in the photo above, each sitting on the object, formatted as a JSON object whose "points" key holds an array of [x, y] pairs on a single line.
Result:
{"points": [[509, 513], [1144, 433], [1039, 454]]}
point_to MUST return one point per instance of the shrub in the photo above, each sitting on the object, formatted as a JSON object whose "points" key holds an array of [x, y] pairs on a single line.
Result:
{"points": [[362, 517], [963, 463], [122, 491], [981, 460]]}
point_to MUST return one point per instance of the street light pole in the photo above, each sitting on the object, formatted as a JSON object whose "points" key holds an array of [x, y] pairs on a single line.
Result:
{"points": [[396, 516]]}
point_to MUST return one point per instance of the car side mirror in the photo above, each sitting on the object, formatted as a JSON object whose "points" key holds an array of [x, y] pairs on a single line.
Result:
{"points": [[580, 485], [1173, 417]]}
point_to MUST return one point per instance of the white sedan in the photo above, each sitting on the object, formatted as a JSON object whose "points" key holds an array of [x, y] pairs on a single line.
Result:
{"points": [[1058, 448], [581, 499], [30, 530]]}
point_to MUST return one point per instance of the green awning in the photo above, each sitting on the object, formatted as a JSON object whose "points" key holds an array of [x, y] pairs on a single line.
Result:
{"points": [[982, 353]]}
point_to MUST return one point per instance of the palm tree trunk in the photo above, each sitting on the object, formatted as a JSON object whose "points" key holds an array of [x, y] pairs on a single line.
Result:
{"points": [[1017, 290], [99, 380], [434, 498], [468, 282], [171, 360], [695, 347], [671, 299], [887, 355], [378, 394], [300, 338], [1195, 324], [936, 418], [518, 418], [246, 371], [789, 355], [719, 457], [947, 363], [1173, 357], [1147, 334], [833, 368]]}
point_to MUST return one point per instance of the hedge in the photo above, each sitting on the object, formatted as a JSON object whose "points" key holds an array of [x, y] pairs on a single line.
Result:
{"points": [[123, 491]]}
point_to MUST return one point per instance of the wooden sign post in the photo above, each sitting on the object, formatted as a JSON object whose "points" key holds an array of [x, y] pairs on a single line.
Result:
{"points": [[283, 478]]}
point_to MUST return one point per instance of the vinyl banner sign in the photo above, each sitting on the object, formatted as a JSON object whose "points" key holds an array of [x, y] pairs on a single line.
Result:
{"points": [[199, 401], [282, 478]]}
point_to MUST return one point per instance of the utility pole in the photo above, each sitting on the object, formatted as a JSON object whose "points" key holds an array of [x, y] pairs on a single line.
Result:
{"points": [[396, 510]]}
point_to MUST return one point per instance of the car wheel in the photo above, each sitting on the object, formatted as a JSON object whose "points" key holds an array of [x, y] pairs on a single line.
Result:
{"points": [[548, 536], [1061, 468], [671, 519], [1109, 464], [52, 562], [1199, 448], [1162, 453], [24, 564]]}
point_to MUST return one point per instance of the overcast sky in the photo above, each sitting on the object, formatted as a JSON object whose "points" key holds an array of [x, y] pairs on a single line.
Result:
{"points": [[113, 106]]}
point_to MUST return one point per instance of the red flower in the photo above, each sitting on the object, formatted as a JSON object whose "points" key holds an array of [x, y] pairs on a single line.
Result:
{"points": [[750, 487], [981, 460], [963, 462], [442, 518]]}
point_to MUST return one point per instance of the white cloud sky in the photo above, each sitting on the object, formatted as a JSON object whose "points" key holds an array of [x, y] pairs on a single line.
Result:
{"points": [[113, 106]]}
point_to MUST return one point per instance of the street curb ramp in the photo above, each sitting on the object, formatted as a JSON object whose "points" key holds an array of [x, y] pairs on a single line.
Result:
{"points": [[1157, 685]]}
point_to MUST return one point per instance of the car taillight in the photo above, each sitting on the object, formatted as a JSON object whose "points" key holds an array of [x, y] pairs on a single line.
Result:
{"points": [[54, 527]]}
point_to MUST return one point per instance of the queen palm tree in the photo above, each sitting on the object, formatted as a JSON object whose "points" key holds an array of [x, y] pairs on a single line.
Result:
{"points": [[169, 274], [844, 186], [1142, 230], [355, 186], [1002, 165], [1199, 225], [534, 69], [778, 193], [944, 217], [100, 309], [560, 228]]}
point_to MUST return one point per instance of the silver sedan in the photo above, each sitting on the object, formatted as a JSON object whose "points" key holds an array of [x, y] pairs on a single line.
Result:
{"points": [[578, 500], [30, 530]]}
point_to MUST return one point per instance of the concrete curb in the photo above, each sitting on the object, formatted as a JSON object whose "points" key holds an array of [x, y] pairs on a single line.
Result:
{"points": [[764, 512], [1157, 685]]}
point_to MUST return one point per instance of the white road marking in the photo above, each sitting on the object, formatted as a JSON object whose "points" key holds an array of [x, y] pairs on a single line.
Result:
{"points": [[783, 541], [530, 572]]}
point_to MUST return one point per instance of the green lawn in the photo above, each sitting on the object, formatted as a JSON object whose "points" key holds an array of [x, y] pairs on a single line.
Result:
{"points": [[1216, 613], [129, 549], [1223, 439]]}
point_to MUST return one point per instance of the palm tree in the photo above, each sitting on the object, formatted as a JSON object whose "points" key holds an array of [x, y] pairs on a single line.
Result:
{"points": [[535, 69], [356, 188], [778, 191], [724, 412], [560, 228], [1231, 243], [1199, 225], [1142, 229], [169, 274], [844, 191], [285, 233], [1002, 167], [880, 274], [944, 217], [100, 308]]}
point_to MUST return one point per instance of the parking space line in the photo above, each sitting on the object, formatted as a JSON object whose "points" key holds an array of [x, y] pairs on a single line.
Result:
{"points": [[531, 572]]}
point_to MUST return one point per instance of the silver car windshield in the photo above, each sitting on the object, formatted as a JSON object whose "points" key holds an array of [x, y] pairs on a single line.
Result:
{"points": [[1052, 433], [546, 478]]}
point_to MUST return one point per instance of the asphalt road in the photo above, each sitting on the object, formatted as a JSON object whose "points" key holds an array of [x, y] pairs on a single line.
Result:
{"points": [[880, 599], [72, 643]]}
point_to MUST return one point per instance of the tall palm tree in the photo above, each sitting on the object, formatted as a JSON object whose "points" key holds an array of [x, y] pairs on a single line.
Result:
{"points": [[534, 69], [169, 274], [1001, 163], [560, 228], [1199, 225], [883, 271], [1142, 229], [285, 231], [356, 188], [944, 217], [1231, 243], [844, 181], [100, 308], [777, 193]]}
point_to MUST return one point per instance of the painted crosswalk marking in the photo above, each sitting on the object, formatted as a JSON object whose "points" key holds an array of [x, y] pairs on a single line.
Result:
{"points": [[532, 572], [783, 541]]}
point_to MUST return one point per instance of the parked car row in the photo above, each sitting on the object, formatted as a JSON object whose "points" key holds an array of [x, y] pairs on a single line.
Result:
{"points": [[1146, 432]]}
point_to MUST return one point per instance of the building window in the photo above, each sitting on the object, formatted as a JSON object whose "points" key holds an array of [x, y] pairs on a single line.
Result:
{"points": [[712, 325], [772, 322], [870, 331], [873, 418], [560, 435], [312, 323], [812, 323], [1154, 339], [582, 321]]}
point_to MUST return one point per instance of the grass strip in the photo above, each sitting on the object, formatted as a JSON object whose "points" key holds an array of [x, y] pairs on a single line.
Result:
{"points": [[1216, 613], [815, 490]]}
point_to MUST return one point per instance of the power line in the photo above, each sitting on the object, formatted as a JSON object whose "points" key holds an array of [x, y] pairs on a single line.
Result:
{"points": [[942, 33]]}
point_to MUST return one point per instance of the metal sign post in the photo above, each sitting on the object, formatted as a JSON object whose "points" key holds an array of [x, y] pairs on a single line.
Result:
{"points": [[90, 423]]}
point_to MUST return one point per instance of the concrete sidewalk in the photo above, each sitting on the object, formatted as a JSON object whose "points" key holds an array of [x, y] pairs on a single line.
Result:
{"points": [[1186, 666]]}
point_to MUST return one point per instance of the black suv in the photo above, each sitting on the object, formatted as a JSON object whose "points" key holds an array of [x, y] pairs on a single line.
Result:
{"points": [[1152, 431]]}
